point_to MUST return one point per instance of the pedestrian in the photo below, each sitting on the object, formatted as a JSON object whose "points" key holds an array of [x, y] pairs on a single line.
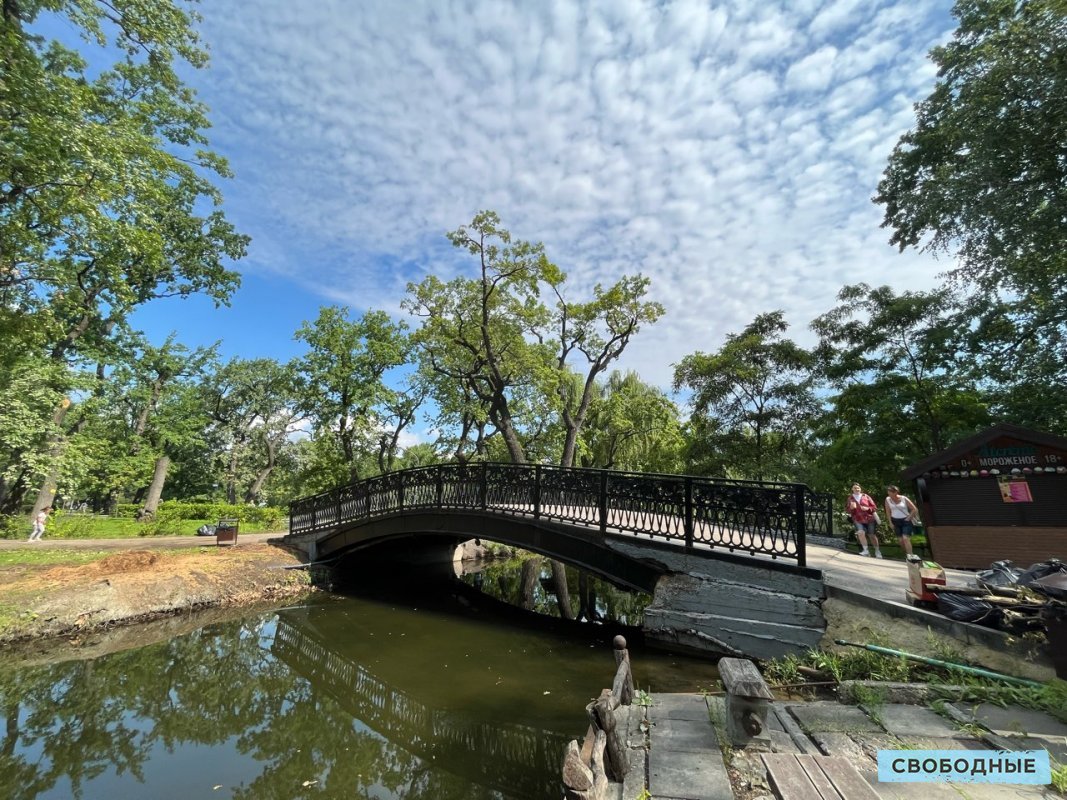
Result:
{"points": [[864, 513], [39, 522], [903, 514]]}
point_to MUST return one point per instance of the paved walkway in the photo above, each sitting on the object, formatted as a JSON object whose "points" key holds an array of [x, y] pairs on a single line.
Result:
{"points": [[685, 753], [879, 578], [131, 543]]}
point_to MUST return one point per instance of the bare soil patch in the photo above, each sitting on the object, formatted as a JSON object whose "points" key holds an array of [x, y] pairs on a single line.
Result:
{"points": [[135, 586]]}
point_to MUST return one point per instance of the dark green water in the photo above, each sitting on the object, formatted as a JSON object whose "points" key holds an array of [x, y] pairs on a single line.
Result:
{"points": [[425, 694]]}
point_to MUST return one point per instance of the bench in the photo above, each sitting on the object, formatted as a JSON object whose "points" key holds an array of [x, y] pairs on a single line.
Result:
{"points": [[226, 532], [800, 777]]}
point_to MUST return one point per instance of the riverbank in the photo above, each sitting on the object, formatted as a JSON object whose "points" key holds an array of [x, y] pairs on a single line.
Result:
{"points": [[138, 581]]}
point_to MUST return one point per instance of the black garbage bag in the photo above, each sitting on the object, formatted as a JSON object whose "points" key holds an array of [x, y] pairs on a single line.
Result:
{"points": [[965, 608], [1042, 570], [206, 530], [999, 574], [1054, 585]]}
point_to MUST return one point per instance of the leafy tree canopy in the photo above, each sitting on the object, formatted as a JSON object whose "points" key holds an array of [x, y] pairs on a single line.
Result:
{"points": [[985, 168]]}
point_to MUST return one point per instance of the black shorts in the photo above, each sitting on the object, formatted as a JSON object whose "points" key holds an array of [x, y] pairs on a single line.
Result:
{"points": [[903, 527]]}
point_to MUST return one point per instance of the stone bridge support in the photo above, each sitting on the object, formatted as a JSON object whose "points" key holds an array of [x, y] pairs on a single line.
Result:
{"points": [[730, 605]]}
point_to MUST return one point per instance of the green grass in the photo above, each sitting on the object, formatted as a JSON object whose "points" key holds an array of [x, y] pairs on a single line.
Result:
{"points": [[89, 526], [45, 556]]}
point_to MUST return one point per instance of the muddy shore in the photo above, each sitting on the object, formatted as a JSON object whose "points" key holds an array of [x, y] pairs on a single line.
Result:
{"points": [[72, 602]]}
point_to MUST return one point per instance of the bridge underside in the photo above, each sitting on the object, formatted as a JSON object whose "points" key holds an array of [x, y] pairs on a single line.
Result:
{"points": [[703, 600], [435, 530]]}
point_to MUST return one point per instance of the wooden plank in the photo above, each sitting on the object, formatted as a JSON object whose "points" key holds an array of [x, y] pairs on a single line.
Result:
{"points": [[787, 778], [802, 777], [740, 677], [823, 785], [847, 779]]}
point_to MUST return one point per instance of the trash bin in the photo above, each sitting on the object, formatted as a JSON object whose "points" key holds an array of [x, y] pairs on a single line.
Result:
{"points": [[226, 532]]}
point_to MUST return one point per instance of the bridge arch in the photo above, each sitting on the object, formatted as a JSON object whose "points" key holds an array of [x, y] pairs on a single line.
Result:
{"points": [[724, 560], [431, 533]]}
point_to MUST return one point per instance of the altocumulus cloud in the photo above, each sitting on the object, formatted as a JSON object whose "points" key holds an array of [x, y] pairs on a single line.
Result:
{"points": [[727, 150]]}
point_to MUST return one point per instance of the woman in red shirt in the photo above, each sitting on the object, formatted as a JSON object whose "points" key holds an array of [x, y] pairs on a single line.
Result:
{"points": [[864, 513]]}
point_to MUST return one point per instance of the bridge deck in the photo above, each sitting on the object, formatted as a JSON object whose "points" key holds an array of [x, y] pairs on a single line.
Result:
{"points": [[762, 519]]}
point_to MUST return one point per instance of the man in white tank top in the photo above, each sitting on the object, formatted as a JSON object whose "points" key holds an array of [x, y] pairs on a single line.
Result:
{"points": [[903, 514]]}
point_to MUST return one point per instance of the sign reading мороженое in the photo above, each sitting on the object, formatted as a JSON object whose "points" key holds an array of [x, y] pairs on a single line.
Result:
{"points": [[964, 766], [1005, 453]]}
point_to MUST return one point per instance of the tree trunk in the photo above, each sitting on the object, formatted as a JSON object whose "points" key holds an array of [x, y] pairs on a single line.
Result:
{"points": [[261, 478], [47, 493], [14, 494], [155, 490], [563, 594], [531, 574]]}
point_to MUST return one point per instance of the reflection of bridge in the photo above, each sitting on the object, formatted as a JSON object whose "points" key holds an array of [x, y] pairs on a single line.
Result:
{"points": [[515, 760], [633, 529]]}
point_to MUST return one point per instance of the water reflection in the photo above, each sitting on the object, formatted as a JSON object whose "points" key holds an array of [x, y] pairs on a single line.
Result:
{"points": [[536, 584], [424, 696]]}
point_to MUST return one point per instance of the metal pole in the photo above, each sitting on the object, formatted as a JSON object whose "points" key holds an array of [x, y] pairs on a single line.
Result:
{"points": [[537, 491], [603, 501], [689, 512], [483, 488], [802, 527]]}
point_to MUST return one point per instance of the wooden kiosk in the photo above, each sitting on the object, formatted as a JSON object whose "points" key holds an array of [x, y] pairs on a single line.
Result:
{"points": [[1001, 494]]}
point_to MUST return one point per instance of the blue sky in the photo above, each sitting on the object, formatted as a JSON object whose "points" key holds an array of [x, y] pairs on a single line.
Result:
{"points": [[727, 150]]}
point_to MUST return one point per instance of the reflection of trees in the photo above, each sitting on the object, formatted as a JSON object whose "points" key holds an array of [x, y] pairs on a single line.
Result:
{"points": [[80, 721], [526, 583]]}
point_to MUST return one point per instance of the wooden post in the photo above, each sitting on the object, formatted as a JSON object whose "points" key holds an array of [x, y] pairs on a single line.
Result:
{"points": [[623, 685], [581, 782], [616, 764]]}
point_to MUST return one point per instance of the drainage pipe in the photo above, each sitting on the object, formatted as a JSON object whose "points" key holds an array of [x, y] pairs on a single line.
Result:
{"points": [[984, 673]]}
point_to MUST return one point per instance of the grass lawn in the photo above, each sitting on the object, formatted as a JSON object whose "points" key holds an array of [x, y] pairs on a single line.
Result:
{"points": [[90, 526]]}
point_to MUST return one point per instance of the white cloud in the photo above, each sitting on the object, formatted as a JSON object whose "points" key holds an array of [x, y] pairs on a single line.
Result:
{"points": [[728, 150]]}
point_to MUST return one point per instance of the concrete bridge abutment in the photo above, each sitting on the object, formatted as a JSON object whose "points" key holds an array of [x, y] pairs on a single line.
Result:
{"points": [[732, 606]]}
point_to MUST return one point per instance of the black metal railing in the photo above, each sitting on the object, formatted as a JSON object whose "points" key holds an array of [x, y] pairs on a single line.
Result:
{"points": [[745, 516]]}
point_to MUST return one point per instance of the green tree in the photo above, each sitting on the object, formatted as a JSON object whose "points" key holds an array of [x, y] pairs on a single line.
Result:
{"points": [[752, 401], [474, 332], [903, 390], [982, 176], [107, 198], [342, 380], [632, 426], [254, 405], [984, 169], [498, 358]]}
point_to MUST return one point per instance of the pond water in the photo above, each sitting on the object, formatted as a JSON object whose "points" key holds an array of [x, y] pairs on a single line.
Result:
{"points": [[412, 689]]}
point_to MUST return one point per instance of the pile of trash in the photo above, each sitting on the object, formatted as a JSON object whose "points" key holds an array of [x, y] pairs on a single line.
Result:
{"points": [[1010, 598]]}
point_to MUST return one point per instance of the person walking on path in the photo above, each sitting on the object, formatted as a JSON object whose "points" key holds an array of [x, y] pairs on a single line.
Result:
{"points": [[864, 513], [903, 514], [39, 522]]}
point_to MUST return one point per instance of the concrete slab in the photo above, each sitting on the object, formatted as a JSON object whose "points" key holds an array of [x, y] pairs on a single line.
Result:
{"points": [[829, 716], [1014, 720], [688, 776], [911, 721], [678, 706], [842, 745], [1056, 745], [684, 736]]}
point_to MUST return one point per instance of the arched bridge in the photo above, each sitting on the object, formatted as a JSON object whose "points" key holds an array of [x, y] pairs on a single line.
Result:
{"points": [[676, 536]]}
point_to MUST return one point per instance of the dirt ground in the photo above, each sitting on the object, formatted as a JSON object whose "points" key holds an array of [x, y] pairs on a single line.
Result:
{"points": [[42, 602]]}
